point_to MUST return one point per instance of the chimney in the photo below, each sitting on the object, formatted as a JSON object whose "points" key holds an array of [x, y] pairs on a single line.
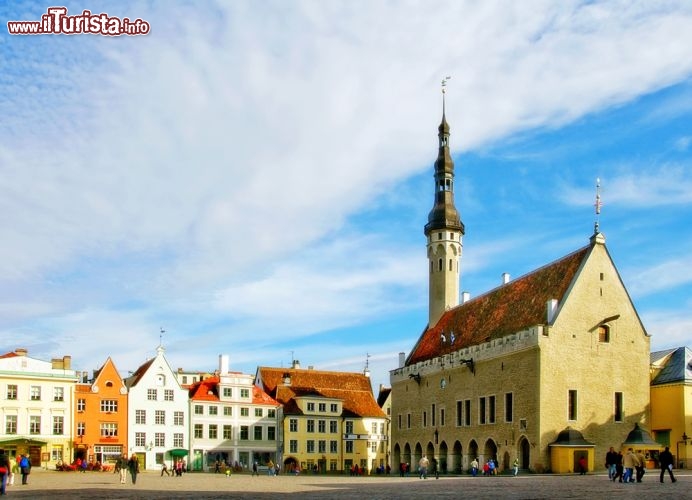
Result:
{"points": [[465, 297], [223, 364], [67, 362], [402, 359], [551, 309], [20, 351], [296, 364], [505, 278], [287, 378]]}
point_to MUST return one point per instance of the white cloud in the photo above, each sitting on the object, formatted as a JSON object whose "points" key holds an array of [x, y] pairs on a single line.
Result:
{"points": [[662, 276], [197, 171], [668, 329], [653, 186]]}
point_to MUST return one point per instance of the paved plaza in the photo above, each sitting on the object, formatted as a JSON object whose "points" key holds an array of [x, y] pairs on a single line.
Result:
{"points": [[150, 485]]}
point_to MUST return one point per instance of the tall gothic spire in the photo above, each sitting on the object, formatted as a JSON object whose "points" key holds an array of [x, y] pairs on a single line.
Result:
{"points": [[444, 231], [444, 214]]}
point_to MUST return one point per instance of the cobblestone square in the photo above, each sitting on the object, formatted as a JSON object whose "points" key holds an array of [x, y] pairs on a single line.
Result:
{"points": [[92, 485]]}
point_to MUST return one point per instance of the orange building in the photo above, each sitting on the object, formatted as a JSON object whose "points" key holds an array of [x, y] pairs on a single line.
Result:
{"points": [[101, 416]]}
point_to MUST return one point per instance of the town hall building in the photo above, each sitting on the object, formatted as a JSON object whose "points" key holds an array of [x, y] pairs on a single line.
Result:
{"points": [[546, 368]]}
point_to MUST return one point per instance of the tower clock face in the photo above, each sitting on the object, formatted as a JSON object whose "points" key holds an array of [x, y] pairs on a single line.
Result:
{"points": [[443, 383]]}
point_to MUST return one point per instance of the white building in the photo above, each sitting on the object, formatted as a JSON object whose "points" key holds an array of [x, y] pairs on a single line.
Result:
{"points": [[157, 413], [36, 409], [232, 421]]}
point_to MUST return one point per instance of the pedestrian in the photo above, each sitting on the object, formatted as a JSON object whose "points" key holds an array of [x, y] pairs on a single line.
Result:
{"points": [[583, 467], [254, 469], [641, 465], [25, 467], [610, 462], [122, 468], [164, 470], [618, 467], [423, 467], [270, 468], [516, 466], [630, 462], [474, 467], [5, 471], [133, 466], [666, 461]]}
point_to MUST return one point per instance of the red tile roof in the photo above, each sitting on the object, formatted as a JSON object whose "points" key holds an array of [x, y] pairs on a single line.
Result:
{"points": [[353, 389], [208, 390], [508, 309], [205, 390]]}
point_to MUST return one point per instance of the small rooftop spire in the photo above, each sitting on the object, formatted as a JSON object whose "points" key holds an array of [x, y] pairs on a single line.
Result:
{"points": [[598, 205]]}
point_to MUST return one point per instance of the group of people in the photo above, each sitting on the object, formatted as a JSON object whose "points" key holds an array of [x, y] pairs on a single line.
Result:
{"points": [[489, 467], [8, 470], [177, 468], [124, 464], [631, 467]]}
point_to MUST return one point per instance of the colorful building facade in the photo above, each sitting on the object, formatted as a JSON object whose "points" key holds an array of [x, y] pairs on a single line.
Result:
{"points": [[100, 423]]}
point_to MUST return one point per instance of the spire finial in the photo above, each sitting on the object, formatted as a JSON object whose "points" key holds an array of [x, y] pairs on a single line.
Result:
{"points": [[161, 332], [598, 205], [444, 91]]}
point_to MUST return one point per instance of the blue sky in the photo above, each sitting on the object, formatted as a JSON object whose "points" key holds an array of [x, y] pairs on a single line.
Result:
{"points": [[254, 177]]}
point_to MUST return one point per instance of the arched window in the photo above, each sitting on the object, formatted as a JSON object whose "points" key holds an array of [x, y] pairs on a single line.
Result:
{"points": [[603, 334], [440, 265], [450, 265], [431, 267]]}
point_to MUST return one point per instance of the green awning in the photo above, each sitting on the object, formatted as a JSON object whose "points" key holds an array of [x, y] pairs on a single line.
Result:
{"points": [[178, 452], [23, 440]]}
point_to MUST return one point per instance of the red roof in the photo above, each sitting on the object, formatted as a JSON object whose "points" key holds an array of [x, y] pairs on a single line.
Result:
{"points": [[510, 308], [353, 389], [208, 390]]}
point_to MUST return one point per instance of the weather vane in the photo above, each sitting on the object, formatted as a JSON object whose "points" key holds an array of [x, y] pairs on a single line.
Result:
{"points": [[161, 332], [444, 91], [598, 205], [444, 83]]}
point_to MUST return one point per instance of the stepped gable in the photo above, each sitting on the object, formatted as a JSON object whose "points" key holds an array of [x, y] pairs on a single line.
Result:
{"points": [[510, 308], [353, 389]]}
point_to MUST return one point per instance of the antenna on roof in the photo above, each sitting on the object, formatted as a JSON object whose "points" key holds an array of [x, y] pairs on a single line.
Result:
{"points": [[366, 372], [598, 205]]}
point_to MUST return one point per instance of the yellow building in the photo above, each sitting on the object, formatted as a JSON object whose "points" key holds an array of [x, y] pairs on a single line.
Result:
{"points": [[330, 421], [501, 376], [671, 402]]}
